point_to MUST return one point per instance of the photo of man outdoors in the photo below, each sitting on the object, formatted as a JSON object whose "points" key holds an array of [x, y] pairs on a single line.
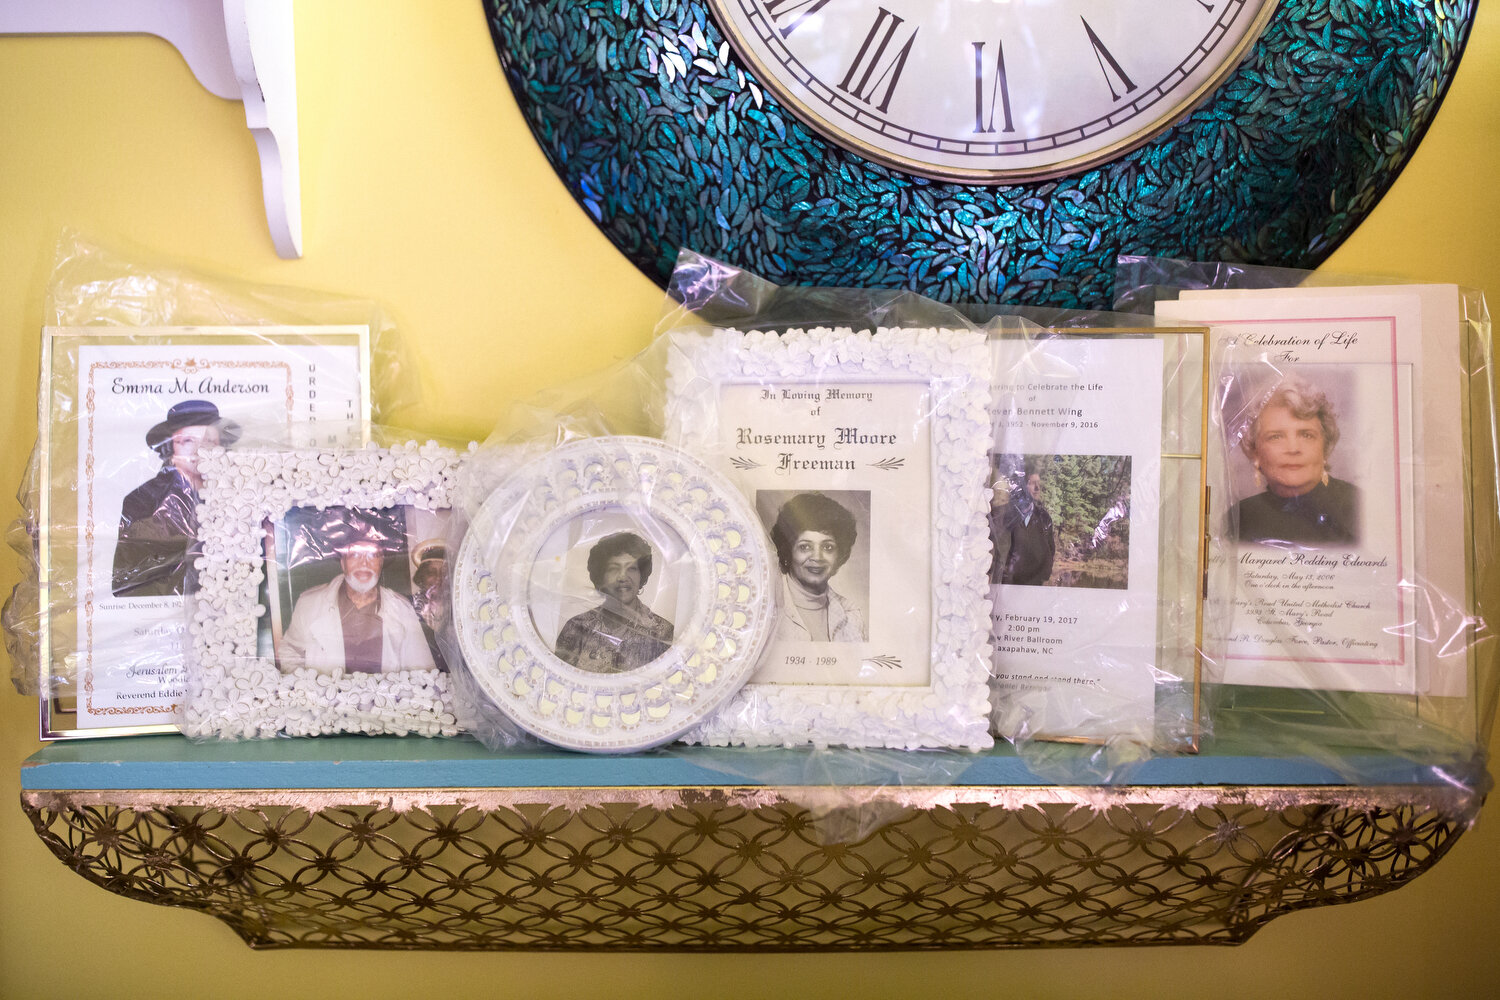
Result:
{"points": [[1025, 545], [1061, 521]]}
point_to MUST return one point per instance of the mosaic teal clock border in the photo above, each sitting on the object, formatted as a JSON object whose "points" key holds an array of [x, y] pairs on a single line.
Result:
{"points": [[667, 141]]}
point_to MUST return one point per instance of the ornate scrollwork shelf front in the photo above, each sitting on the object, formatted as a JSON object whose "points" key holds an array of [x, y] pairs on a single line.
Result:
{"points": [[699, 867]]}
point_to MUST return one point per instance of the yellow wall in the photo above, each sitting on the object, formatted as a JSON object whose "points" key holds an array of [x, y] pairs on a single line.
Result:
{"points": [[423, 189]]}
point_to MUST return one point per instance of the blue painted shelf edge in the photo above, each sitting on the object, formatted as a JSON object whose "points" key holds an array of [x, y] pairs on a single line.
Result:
{"points": [[171, 762]]}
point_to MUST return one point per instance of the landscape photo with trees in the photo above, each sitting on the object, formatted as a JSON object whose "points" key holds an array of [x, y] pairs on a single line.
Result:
{"points": [[1088, 499]]}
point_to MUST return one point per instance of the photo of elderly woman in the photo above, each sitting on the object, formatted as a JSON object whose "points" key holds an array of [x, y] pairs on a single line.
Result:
{"points": [[1288, 437], [815, 534], [621, 633]]}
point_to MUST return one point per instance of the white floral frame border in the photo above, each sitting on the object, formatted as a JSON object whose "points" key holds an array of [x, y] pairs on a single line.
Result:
{"points": [[714, 650], [232, 693], [953, 711]]}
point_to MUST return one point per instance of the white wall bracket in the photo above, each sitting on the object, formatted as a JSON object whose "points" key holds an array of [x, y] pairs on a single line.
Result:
{"points": [[240, 50]]}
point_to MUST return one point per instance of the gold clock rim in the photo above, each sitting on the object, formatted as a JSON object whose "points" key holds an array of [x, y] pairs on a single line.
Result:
{"points": [[991, 177]]}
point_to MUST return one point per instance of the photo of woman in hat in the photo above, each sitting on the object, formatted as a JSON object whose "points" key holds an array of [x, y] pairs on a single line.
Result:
{"points": [[159, 519]]}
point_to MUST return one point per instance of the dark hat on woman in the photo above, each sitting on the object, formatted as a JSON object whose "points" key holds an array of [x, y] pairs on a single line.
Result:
{"points": [[192, 413]]}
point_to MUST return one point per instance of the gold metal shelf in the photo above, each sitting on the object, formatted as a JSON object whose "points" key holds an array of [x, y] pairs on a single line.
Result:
{"points": [[749, 869]]}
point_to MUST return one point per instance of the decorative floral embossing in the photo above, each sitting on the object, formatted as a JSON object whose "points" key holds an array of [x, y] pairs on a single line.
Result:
{"points": [[714, 648], [953, 709], [232, 692]]}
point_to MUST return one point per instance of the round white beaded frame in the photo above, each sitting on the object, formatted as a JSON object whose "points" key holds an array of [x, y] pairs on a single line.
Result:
{"points": [[231, 691], [714, 651]]}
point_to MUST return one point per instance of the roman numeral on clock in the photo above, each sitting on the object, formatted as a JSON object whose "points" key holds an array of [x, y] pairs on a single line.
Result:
{"points": [[1108, 64], [777, 9], [999, 89], [882, 33]]}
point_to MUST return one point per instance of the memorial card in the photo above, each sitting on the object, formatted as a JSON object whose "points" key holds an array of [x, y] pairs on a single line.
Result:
{"points": [[1342, 441], [1077, 489], [864, 458], [1318, 526], [839, 474], [125, 414]]}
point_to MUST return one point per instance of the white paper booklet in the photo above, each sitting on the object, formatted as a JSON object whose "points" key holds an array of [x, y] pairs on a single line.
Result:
{"points": [[1342, 446], [1076, 474]]}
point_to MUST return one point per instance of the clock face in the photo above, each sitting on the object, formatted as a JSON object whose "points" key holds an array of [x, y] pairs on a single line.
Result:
{"points": [[991, 91]]}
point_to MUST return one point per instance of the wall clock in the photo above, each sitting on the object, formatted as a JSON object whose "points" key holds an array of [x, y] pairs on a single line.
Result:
{"points": [[984, 151], [990, 92]]}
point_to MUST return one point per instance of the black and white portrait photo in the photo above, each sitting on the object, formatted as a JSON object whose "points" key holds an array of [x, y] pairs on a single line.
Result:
{"points": [[1061, 521], [825, 595], [621, 632], [607, 589], [159, 518], [345, 575]]}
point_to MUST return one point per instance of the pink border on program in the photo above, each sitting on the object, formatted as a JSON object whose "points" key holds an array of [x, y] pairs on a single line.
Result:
{"points": [[1396, 437], [189, 365]]}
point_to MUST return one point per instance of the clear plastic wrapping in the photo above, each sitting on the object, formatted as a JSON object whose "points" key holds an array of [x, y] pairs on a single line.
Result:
{"points": [[845, 532], [1101, 416], [321, 590], [863, 452], [1354, 481], [832, 409], [146, 365], [1098, 478], [610, 594], [856, 421]]}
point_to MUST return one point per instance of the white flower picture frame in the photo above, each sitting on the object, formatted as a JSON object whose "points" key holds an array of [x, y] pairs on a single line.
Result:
{"points": [[582, 498], [235, 692], [894, 426]]}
